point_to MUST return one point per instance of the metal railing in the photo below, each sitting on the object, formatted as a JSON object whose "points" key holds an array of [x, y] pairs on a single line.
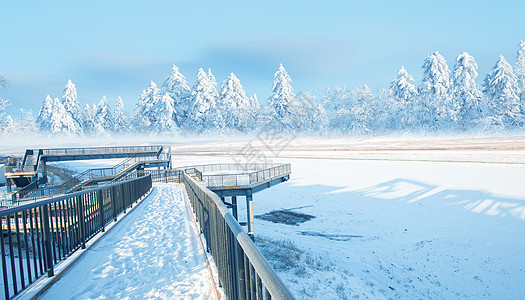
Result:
{"points": [[232, 175], [19, 169], [243, 271], [32, 194], [101, 150], [38, 236]]}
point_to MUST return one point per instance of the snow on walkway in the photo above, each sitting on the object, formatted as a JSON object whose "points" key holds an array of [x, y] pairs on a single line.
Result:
{"points": [[152, 253]]}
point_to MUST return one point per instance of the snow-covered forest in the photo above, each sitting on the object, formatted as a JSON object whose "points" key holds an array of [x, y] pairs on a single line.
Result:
{"points": [[444, 101]]}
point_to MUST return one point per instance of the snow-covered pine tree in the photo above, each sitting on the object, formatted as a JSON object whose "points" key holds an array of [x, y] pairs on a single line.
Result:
{"points": [[234, 106], [282, 103], [402, 87], [89, 118], [312, 114], [203, 112], [519, 69], [365, 109], [501, 89], [25, 125], [165, 112], [103, 120], [43, 119], [145, 119], [255, 112], [72, 106], [400, 103], [342, 103], [121, 125], [61, 122], [465, 95], [432, 107], [177, 88], [8, 125], [4, 104]]}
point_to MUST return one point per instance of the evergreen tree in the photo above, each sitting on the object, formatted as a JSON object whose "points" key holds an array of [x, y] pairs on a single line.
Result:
{"points": [[44, 115], [121, 121], [365, 109], [402, 87], [4, 104], [282, 103], [61, 121], [501, 89], [203, 112], [177, 88], [145, 119], [313, 118], [104, 122], [466, 97], [89, 118], [401, 102], [432, 100], [25, 125], [235, 106], [255, 111], [166, 113], [520, 69], [72, 106], [343, 103]]}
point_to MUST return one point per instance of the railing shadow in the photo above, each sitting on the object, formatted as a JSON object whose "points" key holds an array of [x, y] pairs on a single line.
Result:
{"points": [[475, 201]]}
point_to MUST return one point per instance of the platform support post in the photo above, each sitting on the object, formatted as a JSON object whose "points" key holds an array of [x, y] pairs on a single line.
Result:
{"points": [[249, 215], [234, 207]]}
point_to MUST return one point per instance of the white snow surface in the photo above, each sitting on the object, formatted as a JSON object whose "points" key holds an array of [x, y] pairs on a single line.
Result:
{"points": [[393, 227], [152, 253], [406, 230]]}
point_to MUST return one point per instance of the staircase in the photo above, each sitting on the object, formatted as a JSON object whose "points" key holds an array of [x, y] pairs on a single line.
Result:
{"points": [[95, 176]]}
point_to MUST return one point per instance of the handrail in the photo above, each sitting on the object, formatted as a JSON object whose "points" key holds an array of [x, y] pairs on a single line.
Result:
{"points": [[69, 186], [243, 270], [42, 234], [99, 150], [252, 175]]}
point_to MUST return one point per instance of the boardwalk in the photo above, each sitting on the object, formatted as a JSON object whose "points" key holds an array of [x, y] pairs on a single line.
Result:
{"points": [[152, 253]]}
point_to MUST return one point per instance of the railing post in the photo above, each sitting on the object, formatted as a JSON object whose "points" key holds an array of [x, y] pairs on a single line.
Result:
{"points": [[240, 264], [114, 203], [81, 222], [101, 209], [48, 259]]}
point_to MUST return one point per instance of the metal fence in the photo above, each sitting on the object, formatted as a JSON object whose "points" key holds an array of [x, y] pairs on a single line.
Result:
{"points": [[37, 236], [231, 175], [101, 150], [243, 271], [31, 194]]}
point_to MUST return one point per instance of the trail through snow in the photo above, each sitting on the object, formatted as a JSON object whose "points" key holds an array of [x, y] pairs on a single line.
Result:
{"points": [[151, 254]]}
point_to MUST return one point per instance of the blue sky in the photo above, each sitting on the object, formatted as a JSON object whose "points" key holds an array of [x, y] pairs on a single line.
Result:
{"points": [[115, 48]]}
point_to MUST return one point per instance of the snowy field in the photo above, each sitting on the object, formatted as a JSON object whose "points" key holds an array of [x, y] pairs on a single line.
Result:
{"points": [[404, 226], [401, 229], [405, 218], [152, 253]]}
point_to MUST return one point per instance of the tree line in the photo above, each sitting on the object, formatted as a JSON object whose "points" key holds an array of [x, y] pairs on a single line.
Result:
{"points": [[443, 101]]}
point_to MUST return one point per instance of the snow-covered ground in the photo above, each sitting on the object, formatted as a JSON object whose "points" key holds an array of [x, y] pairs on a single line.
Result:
{"points": [[152, 253], [402, 218], [401, 229], [403, 226]]}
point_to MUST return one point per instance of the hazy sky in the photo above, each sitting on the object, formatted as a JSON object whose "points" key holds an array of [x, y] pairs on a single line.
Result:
{"points": [[115, 48]]}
